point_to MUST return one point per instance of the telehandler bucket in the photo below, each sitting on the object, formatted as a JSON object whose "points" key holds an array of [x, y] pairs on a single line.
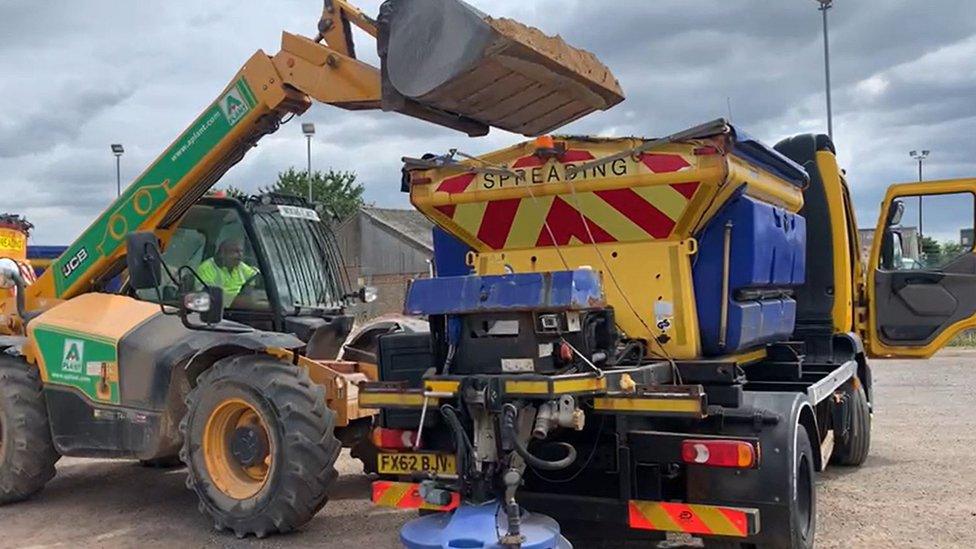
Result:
{"points": [[443, 59]]}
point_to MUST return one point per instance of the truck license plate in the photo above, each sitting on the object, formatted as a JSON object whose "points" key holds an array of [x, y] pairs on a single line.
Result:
{"points": [[408, 463]]}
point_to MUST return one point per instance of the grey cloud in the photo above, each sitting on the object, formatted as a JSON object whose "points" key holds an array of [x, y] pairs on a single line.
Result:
{"points": [[48, 125], [678, 61]]}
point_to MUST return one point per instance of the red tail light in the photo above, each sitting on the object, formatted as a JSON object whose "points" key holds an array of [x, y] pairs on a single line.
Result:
{"points": [[393, 439], [719, 453]]}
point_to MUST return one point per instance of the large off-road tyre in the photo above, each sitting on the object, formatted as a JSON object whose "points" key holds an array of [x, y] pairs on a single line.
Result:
{"points": [[851, 448], [27, 455], [258, 445]]}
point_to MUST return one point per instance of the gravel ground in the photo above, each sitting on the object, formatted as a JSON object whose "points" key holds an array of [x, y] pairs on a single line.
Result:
{"points": [[916, 490]]}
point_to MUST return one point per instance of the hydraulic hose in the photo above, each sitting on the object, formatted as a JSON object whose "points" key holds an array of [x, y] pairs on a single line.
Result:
{"points": [[509, 427], [460, 437]]}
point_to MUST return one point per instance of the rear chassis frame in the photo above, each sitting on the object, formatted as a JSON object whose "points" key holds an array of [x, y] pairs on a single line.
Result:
{"points": [[762, 397]]}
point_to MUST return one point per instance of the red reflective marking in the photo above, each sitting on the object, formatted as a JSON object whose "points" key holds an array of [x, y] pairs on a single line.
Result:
{"points": [[640, 211], [565, 223], [575, 155], [497, 222], [456, 184], [528, 162], [685, 518], [379, 488], [572, 155], [687, 189], [637, 519], [738, 519], [411, 499], [447, 210], [663, 163]]}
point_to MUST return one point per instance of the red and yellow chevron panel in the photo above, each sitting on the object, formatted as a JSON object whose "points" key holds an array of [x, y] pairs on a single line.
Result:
{"points": [[693, 518], [625, 214], [406, 495]]}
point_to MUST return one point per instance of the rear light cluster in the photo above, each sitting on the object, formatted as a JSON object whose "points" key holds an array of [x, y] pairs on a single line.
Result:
{"points": [[393, 439], [738, 454]]}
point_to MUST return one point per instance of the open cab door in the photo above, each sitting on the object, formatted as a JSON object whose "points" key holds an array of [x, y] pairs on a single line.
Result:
{"points": [[922, 269]]}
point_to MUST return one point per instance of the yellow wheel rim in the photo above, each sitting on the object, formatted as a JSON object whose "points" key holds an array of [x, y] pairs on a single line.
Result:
{"points": [[231, 420]]}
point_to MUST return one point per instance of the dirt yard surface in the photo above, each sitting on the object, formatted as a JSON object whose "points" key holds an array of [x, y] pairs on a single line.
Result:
{"points": [[918, 488]]}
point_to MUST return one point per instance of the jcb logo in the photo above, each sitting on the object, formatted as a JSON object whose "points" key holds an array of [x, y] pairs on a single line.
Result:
{"points": [[75, 262]]}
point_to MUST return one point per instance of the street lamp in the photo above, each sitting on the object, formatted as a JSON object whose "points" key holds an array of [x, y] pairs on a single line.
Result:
{"points": [[117, 150], [920, 157], [309, 130], [824, 6]]}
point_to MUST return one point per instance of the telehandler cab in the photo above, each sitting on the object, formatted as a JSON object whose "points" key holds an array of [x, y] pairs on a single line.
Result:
{"points": [[255, 415]]}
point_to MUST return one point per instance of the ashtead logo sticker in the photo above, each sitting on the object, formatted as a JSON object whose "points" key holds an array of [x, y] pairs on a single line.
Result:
{"points": [[74, 351], [85, 362], [233, 106]]}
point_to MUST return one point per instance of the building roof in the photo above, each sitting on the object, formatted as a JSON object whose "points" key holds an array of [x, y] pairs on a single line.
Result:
{"points": [[409, 223]]}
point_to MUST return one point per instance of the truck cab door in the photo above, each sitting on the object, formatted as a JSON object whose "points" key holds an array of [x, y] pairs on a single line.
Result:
{"points": [[922, 269]]}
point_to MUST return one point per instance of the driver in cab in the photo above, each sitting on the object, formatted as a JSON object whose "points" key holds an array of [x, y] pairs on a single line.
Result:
{"points": [[227, 269]]}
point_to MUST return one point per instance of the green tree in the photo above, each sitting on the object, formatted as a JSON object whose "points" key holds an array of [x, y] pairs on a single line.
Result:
{"points": [[337, 191], [931, 250]]}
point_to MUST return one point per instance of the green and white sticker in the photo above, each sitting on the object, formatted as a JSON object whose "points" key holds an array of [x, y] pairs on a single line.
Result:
{"points": [[87, 363]]}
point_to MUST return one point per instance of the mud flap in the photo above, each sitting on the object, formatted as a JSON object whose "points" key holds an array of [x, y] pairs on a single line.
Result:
{"points": [[445, 61], [767, 488]]}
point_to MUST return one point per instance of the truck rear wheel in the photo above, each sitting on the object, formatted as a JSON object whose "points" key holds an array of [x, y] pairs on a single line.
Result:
{"points": [[801, 526], [803, 504], [27, 455], [851, 447], [258, 445]]}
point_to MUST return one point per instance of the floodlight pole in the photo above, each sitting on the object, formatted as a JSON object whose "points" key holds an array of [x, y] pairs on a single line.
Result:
{"points": [[308, 129], [117, 150], [824, 6]]}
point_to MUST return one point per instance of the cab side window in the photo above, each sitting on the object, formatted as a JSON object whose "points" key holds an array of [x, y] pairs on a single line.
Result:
{"points": [[212, 241], [930, 233]]}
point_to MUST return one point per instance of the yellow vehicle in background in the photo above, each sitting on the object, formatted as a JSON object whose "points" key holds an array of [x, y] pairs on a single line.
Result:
{"points": [[257, 416]]}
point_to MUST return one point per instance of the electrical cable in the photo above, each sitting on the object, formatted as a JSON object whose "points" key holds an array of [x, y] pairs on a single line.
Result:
{"points": [[613, 279]]}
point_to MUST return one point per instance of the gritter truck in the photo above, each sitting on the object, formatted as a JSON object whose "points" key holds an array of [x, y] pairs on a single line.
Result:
{"points": [[633, 337]]}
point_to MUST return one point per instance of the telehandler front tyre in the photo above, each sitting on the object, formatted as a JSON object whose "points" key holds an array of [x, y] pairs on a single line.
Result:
{"points": [[258, 445], [27, 455]]}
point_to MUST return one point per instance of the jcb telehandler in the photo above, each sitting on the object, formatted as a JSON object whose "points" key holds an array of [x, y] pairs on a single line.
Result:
{"points": [[254, 416]]}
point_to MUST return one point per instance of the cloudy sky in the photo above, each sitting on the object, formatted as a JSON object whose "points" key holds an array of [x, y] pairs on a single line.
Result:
{"points": [[78, 76]]}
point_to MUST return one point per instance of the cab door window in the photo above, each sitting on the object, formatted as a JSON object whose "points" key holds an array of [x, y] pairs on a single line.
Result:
{"points": [[930, 233], [213, 243]]}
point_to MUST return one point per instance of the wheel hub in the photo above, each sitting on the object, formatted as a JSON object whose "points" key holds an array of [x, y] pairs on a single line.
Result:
{"points": [[237, 449], [249, 445]]}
